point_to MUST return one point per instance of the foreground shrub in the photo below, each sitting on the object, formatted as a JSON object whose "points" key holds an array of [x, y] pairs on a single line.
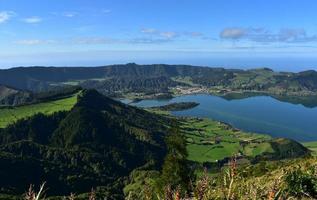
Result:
{"points": [[302, 183]]}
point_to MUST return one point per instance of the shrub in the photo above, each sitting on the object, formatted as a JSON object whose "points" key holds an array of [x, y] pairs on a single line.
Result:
{"points": [[302, 183]]}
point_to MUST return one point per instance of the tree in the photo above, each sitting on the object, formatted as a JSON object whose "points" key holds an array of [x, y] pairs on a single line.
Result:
{"points": [[175, 171]]}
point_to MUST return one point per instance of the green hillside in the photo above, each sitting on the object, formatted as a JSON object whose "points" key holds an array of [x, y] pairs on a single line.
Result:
{"points": [[212, 141], [311, 146], [9, 115], [288, 179], [88, 140], [209, 141], [95, 144]]}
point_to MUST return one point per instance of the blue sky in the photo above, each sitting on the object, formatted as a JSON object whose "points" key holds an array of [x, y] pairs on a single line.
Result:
{"points": [[207, 32]]}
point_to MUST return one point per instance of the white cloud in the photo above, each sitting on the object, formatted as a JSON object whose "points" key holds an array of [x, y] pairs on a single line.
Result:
{"points": [[168, 34], [5, 16], [148, 30], [33, 20], [162, 34], [105, 40], [233, 33], [70, 14], [261, 35], [95, 40], [34, 42], [147, 40]]}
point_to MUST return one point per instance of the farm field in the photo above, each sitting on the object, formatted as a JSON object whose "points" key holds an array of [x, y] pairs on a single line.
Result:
{"points": [[10, 115], [311, 146], [209, 141]]}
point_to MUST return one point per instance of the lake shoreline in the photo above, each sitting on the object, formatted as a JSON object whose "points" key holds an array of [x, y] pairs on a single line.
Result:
{"points": [[260, 114], [307, 101]]}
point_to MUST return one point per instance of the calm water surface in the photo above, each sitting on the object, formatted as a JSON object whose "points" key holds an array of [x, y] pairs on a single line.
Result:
{"points": [[260, 114]]}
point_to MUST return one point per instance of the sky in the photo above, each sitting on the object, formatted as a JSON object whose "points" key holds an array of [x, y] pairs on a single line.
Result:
{"points": [[230, 33]]}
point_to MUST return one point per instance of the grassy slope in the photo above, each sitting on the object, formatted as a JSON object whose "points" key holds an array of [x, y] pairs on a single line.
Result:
{"points": [[202, 133], [269, 180], [311, 146], [10, 115]]}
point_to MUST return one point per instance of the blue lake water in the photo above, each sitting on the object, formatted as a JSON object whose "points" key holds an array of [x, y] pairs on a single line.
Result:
{"points": [[261, 114]]}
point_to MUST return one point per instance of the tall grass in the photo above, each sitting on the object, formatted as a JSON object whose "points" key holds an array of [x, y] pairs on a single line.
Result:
{"points": [[290, 181], [32, 195]]}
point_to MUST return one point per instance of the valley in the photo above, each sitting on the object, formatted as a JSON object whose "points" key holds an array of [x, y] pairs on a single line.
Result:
{"points": [[158, 100], [117, 132]]}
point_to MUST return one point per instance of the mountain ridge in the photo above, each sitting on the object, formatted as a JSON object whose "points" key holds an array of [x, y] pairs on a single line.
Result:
{"points": [[95, 144], [11, 96], [146, 77]]}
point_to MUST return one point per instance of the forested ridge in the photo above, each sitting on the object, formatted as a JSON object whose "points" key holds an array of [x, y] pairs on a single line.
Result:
{"points": [[120, 151], [96, 144], [159, 77]]}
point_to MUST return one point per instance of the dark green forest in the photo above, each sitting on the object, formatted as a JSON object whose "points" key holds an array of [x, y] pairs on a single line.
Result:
{"points": [[95, 145]]}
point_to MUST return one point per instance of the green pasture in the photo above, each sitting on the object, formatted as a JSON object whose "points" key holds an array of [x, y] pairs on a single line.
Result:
{"points": [[209, 141], [10, 115]]}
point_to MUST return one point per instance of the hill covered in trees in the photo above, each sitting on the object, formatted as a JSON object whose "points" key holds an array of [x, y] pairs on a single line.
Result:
{"points": [[10, 96], [97, 143], [114, 79], [119, 150], [176, 106]]}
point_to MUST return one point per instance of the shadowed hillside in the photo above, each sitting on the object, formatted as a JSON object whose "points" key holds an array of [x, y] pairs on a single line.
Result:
{"points": [[97, 143], [10, 96]]}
